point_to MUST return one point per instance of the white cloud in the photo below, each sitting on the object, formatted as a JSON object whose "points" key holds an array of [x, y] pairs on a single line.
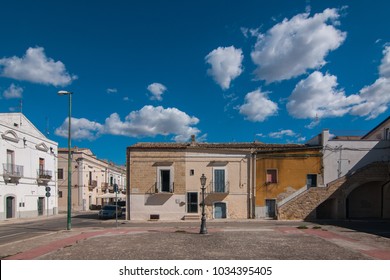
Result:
{"points": [[13, 92], [288, 134], [151, 121], [250, 32], [293, 46], [258, 107], [317, 96], [376, 97], [80, 129], [384, 68], [282, 133], [112, 90], [35, 67], [226, 65], [148, 122], [157, 90]]}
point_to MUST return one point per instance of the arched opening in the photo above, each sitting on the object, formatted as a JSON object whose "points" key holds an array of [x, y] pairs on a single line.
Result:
{"points": [[366, 202]]}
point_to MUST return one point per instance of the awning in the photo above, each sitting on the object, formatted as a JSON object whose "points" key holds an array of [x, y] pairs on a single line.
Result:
{"points": [[111, 195]]}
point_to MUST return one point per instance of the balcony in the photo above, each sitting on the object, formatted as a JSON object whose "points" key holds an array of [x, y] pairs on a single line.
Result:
{"points": [[92, 184], [104, 187], [12, 173], [157, 188], [44, 176], [218, 187]]}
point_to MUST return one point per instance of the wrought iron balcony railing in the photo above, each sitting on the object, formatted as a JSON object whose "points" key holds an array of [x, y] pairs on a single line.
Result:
{"points": [[12, 170]]}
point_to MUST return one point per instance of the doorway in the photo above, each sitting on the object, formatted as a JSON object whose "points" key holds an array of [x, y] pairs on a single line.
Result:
{"points": [[220, 210], [10, 207], [41, 202], [270, 208]]}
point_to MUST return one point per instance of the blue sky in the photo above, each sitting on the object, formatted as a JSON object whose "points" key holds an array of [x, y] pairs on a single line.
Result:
{"points": [[226, 71]]}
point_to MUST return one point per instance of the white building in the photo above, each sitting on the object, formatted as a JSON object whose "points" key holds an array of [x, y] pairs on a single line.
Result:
{"points": [[346, 154], [28, 186], [92, 181]]}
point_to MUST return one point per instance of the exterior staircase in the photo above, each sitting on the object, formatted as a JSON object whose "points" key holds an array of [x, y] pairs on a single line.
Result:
{"points": [[303, 206]]}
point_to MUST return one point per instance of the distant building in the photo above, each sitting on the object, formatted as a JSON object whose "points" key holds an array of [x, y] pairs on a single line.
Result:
{"points": [[92, 181], [28, 186]]}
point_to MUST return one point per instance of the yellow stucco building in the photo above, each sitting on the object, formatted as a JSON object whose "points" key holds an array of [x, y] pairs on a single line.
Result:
{"points": [[283, 173]]}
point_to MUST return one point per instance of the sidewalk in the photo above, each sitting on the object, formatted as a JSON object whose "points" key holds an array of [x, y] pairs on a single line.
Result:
{"points": [[240, 240]]}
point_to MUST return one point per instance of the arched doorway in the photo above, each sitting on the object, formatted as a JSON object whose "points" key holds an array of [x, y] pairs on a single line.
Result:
{"points": [[10, 207], [365, 201]]}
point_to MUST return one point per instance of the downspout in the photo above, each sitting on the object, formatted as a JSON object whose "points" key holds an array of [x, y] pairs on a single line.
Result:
{"points": [[128, 191], [252, 184]]}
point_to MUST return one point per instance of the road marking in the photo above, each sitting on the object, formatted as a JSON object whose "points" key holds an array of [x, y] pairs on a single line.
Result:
{"points": [[9, 235]]}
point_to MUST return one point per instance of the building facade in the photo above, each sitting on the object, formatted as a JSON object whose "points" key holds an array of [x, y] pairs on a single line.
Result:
{"points": [[92, 180], [164, 180], [282, 174], [28, 186], [356, 179]]}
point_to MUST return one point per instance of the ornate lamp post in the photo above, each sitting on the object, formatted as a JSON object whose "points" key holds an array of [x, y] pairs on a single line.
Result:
{"points": [[203, 229], [69, 217]]}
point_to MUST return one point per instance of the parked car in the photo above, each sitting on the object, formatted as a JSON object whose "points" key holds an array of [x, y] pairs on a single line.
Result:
{"points": [[110, 212]]}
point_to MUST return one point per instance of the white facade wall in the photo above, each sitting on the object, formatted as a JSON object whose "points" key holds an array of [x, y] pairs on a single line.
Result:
{"points": [[343, 156], [25, 197]]}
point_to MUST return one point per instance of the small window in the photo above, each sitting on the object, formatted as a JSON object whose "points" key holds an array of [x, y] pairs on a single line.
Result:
{"points": [[60, 174], [387, 133], [192, 172], [272, 176], [59, 194]]}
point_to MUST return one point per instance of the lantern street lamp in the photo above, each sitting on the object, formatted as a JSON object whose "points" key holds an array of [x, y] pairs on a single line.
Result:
{"points": [[203, 229], [69, 217]]}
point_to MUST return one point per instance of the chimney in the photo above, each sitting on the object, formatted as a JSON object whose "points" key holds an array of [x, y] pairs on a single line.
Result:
{"points": [[193, 141]]}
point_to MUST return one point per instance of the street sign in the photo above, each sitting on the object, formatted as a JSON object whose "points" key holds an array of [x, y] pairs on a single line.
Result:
{"points": [[48, 194], [48, 189]]}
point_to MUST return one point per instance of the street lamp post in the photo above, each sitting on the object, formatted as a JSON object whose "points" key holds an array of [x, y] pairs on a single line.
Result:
{"points": [[69, 212], [203, 229]]}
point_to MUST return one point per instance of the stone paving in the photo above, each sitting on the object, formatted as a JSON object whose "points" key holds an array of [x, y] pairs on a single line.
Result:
{"points": [[182, 241]]}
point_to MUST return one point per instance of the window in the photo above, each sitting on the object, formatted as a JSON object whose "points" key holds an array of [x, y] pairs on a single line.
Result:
{"points": [[192, 202], [60, 173], [10, 161], [165, 176], [272, 176], [59, 194], [90, 178], [387, 133], [311, 180], [219, 180], [41, 166], [192, 172], [164, 179]]}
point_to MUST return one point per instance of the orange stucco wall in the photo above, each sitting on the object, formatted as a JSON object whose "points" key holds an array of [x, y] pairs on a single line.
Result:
{"points": [[292, 169]]}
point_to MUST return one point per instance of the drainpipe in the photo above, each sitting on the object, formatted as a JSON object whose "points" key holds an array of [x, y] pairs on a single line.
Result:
{"points": [[252, 196]]}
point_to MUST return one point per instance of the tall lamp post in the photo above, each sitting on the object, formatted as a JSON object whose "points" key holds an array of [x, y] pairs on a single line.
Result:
{"points": [[203, 229], [69, 213]]}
